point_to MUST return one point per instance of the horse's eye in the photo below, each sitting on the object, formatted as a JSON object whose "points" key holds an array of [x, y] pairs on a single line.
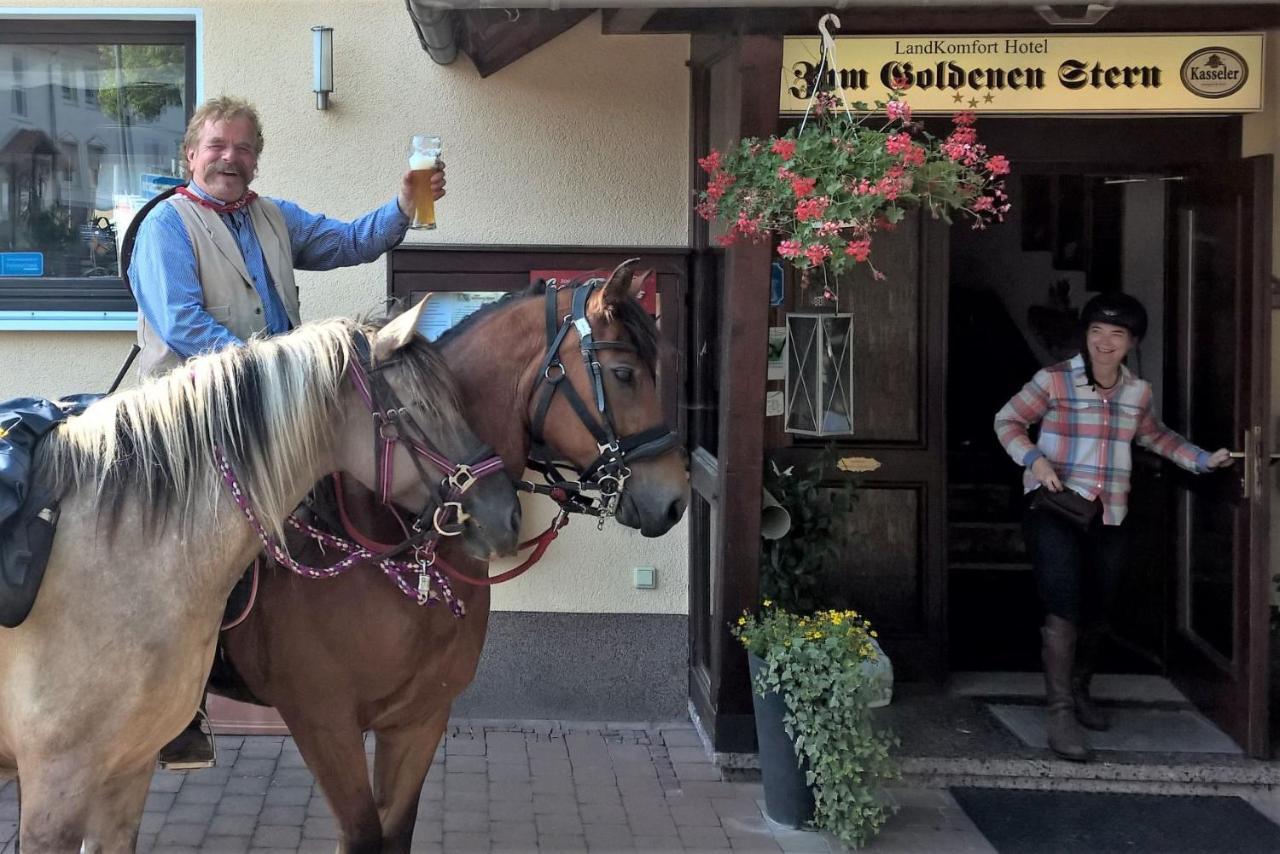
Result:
{"points": [[624, 374]]}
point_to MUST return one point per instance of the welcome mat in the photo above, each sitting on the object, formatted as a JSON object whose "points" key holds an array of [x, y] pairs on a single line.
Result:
{"points": [[1138, 730], [1031, 822]]}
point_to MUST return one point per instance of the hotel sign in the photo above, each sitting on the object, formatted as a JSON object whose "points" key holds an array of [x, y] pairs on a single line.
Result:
{"points": [[1074, 73]]}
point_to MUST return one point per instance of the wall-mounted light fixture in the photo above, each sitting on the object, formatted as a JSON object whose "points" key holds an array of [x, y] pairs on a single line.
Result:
{"points": [[322, 62]]}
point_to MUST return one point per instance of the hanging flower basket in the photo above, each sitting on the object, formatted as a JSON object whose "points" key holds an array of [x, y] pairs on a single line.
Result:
{"points": [[824, 190]]}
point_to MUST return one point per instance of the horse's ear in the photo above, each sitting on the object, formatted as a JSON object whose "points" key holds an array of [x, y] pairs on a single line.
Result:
{"points": [[398, 333], [623, 285]]}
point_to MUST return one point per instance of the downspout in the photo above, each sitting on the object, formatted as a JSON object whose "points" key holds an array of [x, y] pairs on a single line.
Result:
{"points": [[434, 23]]}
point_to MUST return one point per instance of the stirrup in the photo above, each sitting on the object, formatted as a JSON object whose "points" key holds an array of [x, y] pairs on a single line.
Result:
{"points": [[198, 750]]}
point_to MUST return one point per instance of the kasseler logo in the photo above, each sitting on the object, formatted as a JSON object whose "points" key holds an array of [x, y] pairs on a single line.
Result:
{"points": [[1214, 72]]}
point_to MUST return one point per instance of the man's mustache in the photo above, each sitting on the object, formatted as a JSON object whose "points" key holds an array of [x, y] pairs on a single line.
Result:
{"points": [[226, 169]]}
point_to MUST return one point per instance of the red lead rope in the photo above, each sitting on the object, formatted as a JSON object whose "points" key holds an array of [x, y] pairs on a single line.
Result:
{"points": [[539, 544]]}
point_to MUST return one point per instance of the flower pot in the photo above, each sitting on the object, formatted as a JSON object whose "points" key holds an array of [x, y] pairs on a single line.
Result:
{"points": [[788, 800]]}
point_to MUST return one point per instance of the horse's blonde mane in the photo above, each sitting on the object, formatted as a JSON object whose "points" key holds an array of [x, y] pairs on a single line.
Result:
{"points": [[269, 407]]}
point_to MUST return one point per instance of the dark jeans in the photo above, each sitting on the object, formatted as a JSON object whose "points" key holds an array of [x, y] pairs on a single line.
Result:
{"points": [[1078, 572]]}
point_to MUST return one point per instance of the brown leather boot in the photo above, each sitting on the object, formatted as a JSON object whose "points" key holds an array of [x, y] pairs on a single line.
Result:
{"points": [[1058, 652], [1089, 714]]}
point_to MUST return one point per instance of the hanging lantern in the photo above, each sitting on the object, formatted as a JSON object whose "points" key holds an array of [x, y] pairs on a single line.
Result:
{"points": [[819, 374]]}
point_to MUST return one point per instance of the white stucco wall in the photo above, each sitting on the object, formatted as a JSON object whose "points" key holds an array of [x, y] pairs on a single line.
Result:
{"points": [[583, 141]]}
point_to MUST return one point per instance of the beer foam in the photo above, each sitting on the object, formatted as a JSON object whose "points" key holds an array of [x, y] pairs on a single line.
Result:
{"points": [[422, 161]]}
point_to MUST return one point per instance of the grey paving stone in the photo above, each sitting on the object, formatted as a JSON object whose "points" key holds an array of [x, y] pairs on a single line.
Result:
{"points": [[181, 834], [292, 777], [558, 842], [275, 836], [250, 767], [510, 790], [145, 843], [681, 738], [745, 808], [240, 805], [558, 824], [511, 810], [801, 841], [473, 801], [318, 805], [464, 746], [510, 771], [554, 804], [197, 794], [642, 770], [552, 785], [262, 748], [246, 786], [598, 794], [629, 753], [704, 838], [463, 763], [466, 842], [215, 776], [315, 846], [696, 772], [539, 751], [523, 832], [513, 848], [754, 843], [604, 813], [233, 825], [432, 790], [289, 816], [158, 848], [283, 796], [658, 844], [694, 815], [604, 835], [466, 822], [232, 742], [688, 755], [473, 783], [151, 822], [227, 844], [316, 827], [652, 824], [161, 781], [190, 813], [156, 802], [647, 787]]}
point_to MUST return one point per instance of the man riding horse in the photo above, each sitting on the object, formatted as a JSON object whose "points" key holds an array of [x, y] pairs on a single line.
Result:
{"points": [[213, 265]]}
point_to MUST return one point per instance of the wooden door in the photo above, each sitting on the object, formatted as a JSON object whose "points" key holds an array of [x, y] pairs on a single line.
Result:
{"points": [[1222, 227], [892, 566]]}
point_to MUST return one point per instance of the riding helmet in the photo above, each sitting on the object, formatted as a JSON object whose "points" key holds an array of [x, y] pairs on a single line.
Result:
{"points": [[1117, 309]]}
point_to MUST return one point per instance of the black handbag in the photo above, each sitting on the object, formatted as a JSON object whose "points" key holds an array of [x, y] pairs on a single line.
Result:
{"points": [[1068, 505]]}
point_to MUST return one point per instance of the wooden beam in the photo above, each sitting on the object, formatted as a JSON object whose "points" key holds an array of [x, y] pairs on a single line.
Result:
{"points": [[626, 21], [495, 38], [743, 367]]}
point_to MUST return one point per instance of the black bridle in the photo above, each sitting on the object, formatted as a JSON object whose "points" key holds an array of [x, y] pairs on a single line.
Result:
{"points": [[607, 475], [394, 422]]}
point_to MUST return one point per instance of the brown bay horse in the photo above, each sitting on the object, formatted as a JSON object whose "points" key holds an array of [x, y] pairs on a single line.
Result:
{"points": [[350, 655], [166, 492]]}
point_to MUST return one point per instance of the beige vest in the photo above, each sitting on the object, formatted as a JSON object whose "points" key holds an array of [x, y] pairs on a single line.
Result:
{"points": [[229, 294]]}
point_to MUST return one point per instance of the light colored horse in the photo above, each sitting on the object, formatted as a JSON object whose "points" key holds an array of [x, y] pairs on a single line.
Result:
{"points": [[112, 660]]}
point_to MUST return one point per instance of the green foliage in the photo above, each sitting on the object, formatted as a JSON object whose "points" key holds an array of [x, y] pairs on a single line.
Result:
{"points": [[825, 190], [151, 78], [791, 567], [819, 664]]}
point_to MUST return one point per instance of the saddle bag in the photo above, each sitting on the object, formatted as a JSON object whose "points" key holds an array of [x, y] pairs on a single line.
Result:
{"points": [[1068, 505], [25, 542]]}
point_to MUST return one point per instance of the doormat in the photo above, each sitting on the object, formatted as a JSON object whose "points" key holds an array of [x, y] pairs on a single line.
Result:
{"points": [[1136, 730], [1031, 822]]}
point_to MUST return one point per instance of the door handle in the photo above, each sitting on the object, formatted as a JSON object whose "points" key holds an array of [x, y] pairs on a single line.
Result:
{"points": [[1252, 479]]}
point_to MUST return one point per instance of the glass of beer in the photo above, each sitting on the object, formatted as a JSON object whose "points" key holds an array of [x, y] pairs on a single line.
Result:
{"points": [[424, 152]]}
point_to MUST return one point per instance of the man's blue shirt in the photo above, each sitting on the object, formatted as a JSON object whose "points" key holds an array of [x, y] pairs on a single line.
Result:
{"points": [[167, 287]]}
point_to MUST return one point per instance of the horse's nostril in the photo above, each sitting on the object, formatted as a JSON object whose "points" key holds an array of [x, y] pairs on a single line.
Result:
{"points": [[676, 510]]}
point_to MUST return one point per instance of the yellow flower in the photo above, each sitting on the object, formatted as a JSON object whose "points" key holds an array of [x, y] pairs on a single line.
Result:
{"points": [[875, 634], [768, 603], [742, 621]]}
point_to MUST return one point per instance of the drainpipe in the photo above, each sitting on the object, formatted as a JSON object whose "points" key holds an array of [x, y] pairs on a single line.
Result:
{"points": [[434, 22]]}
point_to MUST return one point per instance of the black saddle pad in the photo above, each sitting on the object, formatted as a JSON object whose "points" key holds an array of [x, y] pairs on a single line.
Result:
{"points": [[1028, 822], [26, 539]]}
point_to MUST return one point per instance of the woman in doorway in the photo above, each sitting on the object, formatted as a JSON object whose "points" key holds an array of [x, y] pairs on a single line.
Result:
{"points": [[1090, 409]]}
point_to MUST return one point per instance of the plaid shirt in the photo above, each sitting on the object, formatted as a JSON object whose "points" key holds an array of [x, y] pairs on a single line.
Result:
{"points": [[1086, 438]]}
